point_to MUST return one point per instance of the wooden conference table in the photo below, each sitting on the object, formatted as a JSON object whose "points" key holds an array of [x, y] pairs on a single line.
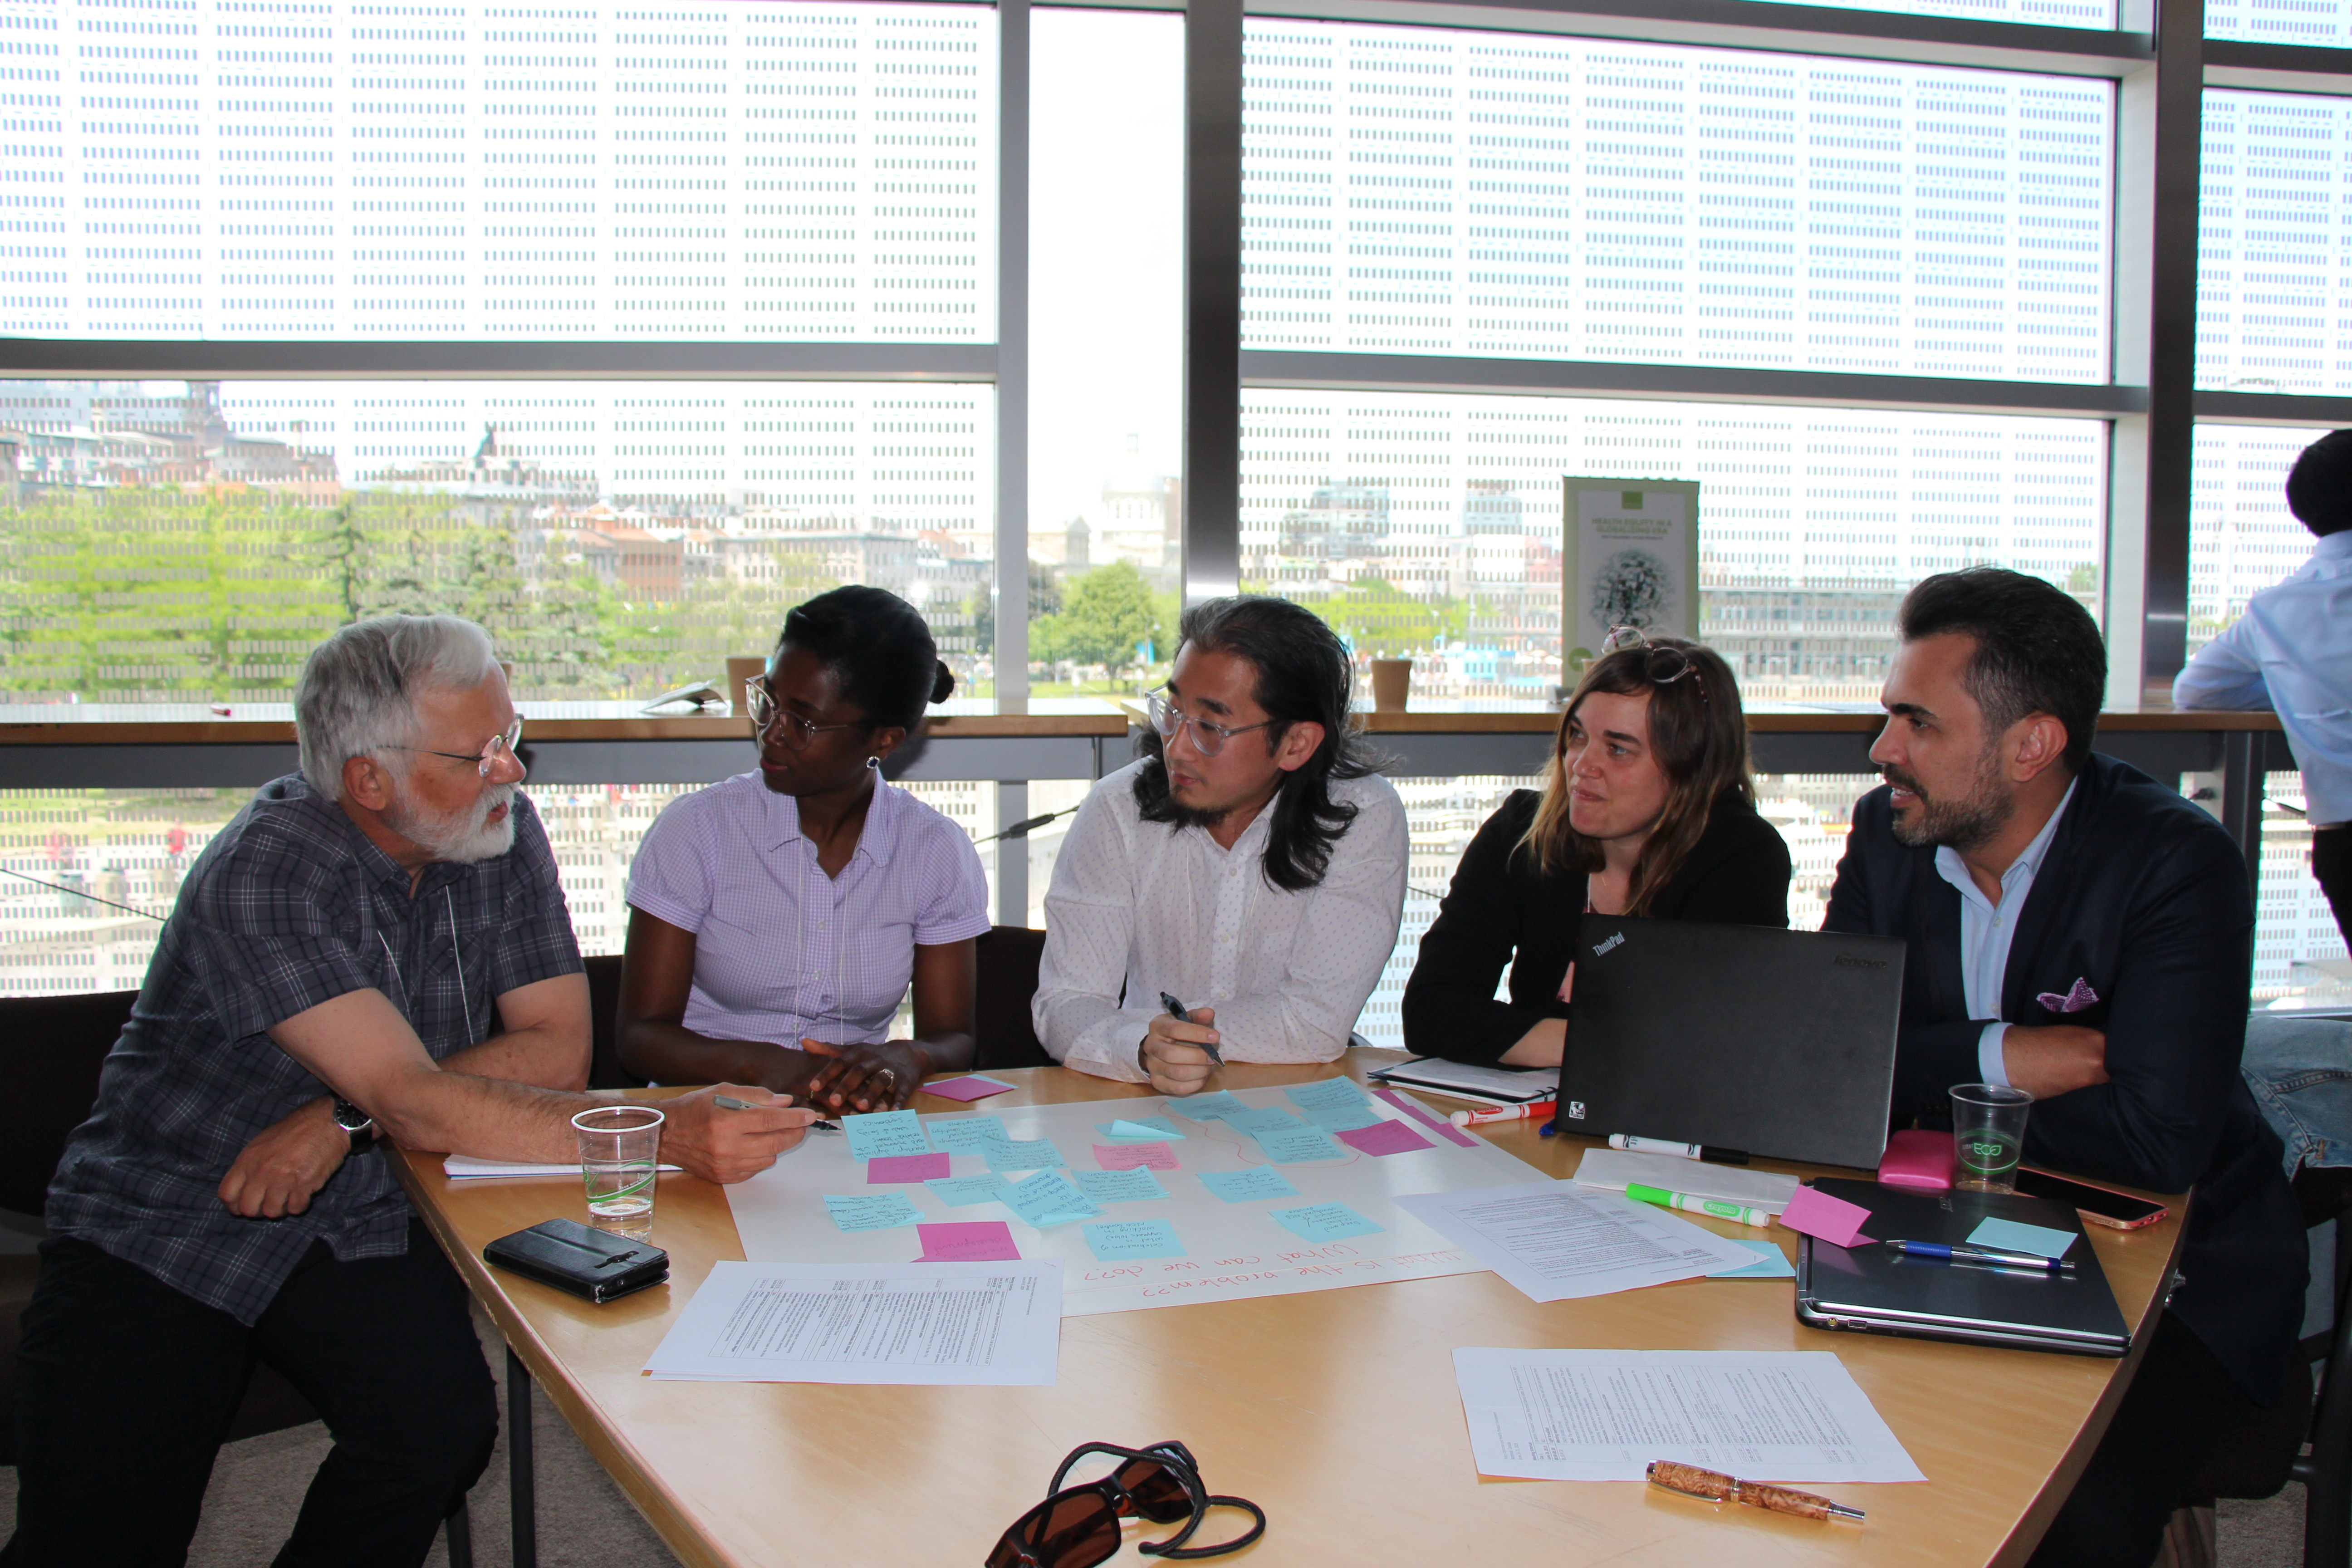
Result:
{"points": [[1335, 1411]]}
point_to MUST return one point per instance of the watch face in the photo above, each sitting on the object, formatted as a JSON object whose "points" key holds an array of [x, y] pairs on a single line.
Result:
{"points": [[349, 1117]]}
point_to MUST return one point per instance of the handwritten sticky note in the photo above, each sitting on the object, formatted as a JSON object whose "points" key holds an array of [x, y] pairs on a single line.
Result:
{"points": [[880, 1133], [1386, 1138], [1342, 1118], [1118, 1186], [1420, 1113], [1141, 1130], [1116, 1240], [1323, 1222], [871, 1211], [967, 1134], [2014, 1236], [1016, 1155], [1127, 1156], [1047, 1199], [1240, 1186], [1833, 1220], [962, 1191], [967, 1241], [1770, 1263], [1330, 1094], [1264, 1119], [1299, 1145], [1208, 1107], [906, 1168], [971, 1086]]}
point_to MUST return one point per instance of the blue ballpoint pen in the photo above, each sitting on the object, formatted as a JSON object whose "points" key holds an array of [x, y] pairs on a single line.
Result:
{"points": [[1961, 1251]]}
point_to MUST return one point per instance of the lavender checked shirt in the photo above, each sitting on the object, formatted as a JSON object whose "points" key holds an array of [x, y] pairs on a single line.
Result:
{"points": [[781, 951]]}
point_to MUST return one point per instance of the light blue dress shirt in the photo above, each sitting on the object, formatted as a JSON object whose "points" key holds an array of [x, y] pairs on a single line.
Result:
{"points": [[1986, 929], [2291, 651]]}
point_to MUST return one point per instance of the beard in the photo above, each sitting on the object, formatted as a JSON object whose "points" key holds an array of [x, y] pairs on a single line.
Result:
{"points": [[1964, 823], [462, 837]]}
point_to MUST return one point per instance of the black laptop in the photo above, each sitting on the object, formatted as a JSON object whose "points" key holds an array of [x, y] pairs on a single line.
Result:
{"points": [[1770, 1042]]}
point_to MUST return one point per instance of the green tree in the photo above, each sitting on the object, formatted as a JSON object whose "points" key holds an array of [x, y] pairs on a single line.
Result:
{"points": [[1380, 620], [1106, 615]]}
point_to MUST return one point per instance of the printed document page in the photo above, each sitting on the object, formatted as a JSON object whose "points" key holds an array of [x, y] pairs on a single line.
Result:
{"points": [[1602, 1415], [1558, 1241], [970, 1324]]}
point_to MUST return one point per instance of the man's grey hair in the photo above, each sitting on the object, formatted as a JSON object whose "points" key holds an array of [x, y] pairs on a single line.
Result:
{"points": [[358, 690]]}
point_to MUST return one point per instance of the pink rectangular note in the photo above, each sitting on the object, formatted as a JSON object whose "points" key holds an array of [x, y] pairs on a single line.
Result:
{"points": [[967, 1241], [889, 1168], [1384, 1138], [1127, 1156], [1829, 1219], [1436, 1124], [970, 1087]]}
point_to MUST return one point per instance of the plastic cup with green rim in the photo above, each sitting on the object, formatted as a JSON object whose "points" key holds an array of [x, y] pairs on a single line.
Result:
{"points": [[620, 1148], [1987, 1136]]}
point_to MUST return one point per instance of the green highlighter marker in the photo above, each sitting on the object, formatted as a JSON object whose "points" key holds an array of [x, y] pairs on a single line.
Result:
{"points": [[1689, 1205]]}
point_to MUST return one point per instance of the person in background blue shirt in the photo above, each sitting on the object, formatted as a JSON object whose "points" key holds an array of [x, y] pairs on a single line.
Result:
{"points": [[2292, 652]]}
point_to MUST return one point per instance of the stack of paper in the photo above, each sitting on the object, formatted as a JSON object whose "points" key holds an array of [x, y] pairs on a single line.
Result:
{"points": [[1616, 1169]]}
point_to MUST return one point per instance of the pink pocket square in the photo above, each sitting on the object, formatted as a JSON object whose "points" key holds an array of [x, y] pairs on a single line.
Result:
{"points": [[2075, 1001]]}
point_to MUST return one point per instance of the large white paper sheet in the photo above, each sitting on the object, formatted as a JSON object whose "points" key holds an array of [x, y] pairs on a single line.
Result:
{"points": [[1232, 1250], [944, 1325], [1602, 1415], [1619, 1168], [1558, 1241]]}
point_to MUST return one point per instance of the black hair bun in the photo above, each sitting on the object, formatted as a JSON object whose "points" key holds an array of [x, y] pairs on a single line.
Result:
{"points": [[943, 683]]}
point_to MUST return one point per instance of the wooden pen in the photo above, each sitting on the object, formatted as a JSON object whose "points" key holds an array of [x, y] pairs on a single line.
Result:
{"points": [[1691, 1481]]}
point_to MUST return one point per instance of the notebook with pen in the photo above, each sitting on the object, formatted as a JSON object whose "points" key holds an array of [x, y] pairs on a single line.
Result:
{"points": [[1873, 1289]]}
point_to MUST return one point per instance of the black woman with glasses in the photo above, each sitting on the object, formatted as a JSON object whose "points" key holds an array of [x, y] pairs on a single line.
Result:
{"points": [[1648, 809], [777, 918]]}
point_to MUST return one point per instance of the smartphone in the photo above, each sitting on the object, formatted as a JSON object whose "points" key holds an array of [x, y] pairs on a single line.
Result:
{"points": [[2097, 1205]]}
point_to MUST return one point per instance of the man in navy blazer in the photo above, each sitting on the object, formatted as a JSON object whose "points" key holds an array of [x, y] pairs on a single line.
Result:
{"points": [[2080, 930]]}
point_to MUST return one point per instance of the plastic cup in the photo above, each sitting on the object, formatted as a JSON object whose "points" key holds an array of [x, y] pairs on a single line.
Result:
{"points": [[620, 1147], [1987, 1136]]}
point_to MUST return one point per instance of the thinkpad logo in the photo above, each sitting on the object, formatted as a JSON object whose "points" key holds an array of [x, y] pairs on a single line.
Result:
{"points": [[1848, 961], [1599, 948]]}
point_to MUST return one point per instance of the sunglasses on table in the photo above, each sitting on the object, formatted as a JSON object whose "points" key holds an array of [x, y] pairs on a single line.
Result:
{"points": [[1079, 1527]]}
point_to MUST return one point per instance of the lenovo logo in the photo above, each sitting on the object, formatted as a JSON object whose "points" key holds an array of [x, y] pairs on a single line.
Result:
{"points": [[1848, 961]]}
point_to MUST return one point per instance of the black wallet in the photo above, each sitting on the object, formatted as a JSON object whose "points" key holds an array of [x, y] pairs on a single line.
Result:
{"points": [[572, 1256]]}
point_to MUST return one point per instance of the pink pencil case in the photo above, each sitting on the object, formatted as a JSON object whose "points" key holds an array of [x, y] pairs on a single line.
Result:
{"points": [[1919, 1160]]}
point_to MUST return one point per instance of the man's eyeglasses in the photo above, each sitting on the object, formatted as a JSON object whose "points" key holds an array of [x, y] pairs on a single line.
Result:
{"points": [[1078, 1528], [796, 732], [1662, 664], [1207, 739], [485, 761]]}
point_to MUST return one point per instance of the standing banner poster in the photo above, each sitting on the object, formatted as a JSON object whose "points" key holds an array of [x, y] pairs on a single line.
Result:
{"points": [[1629, 557]]}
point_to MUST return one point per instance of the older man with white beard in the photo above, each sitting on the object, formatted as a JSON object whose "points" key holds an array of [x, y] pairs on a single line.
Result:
{"points": [[379, 941]]}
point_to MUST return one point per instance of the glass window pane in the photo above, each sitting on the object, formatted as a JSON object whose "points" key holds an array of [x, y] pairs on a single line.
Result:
{"points": [[783, 171], [1429, 525], [2299, 957], [1421, 190], [2273, 293], [2242, 538], [2324, 23], [187, 543]]}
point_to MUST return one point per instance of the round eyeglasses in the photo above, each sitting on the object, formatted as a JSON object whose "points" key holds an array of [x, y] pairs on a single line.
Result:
{"points": [[766, 713], [1663, 664], [1207, 739], [486, 762]]}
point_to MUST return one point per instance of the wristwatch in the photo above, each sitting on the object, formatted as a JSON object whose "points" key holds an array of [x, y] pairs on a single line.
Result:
{"points": [[357, 1122]]}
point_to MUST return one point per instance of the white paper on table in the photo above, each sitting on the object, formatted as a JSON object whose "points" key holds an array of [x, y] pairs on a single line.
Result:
{"points": [[1602, 1415], [933, 1324], [466, 1165], [1558, 1241], [1619, 1168]]}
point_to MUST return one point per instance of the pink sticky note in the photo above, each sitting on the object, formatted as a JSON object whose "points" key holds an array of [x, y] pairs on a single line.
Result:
{"points": [[1437, 1124], [969, 1086], [1384, 1138], [905, 1168], [1127, 1156], [1832, 1220], [967, 1241]]}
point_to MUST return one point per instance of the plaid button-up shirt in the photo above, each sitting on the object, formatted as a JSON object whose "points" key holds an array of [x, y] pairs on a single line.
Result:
{"points": [[289, 906]]}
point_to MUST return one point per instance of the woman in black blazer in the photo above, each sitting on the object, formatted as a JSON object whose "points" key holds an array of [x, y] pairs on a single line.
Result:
{"points": [[1648, 809]]}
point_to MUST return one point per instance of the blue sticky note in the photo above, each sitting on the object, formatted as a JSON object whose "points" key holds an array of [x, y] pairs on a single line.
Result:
{"points": [[1343, 1118], [967, 1134], [871, 1211], [2015, 1237], [1208, 1107], [1114, 1240], [1323, 1222], [1770, 1263], [1264, 1119], [1047, 1199], [1240, 1186], [1141, 1130], [1297, 1145], [1118, 1186], [880, 1133], [1330, 1094], [1018, 1154], [956, 1192]]}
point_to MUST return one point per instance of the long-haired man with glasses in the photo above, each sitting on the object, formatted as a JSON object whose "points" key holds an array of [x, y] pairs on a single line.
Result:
{"points": [[1250, 864]]}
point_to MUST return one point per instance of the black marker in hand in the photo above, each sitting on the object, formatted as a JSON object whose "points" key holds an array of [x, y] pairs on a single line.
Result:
{"points": [[1176, 1010]]}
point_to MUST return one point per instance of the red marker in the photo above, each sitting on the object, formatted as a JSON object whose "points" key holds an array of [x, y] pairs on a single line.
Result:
{"points": [[1543, 1108]]}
